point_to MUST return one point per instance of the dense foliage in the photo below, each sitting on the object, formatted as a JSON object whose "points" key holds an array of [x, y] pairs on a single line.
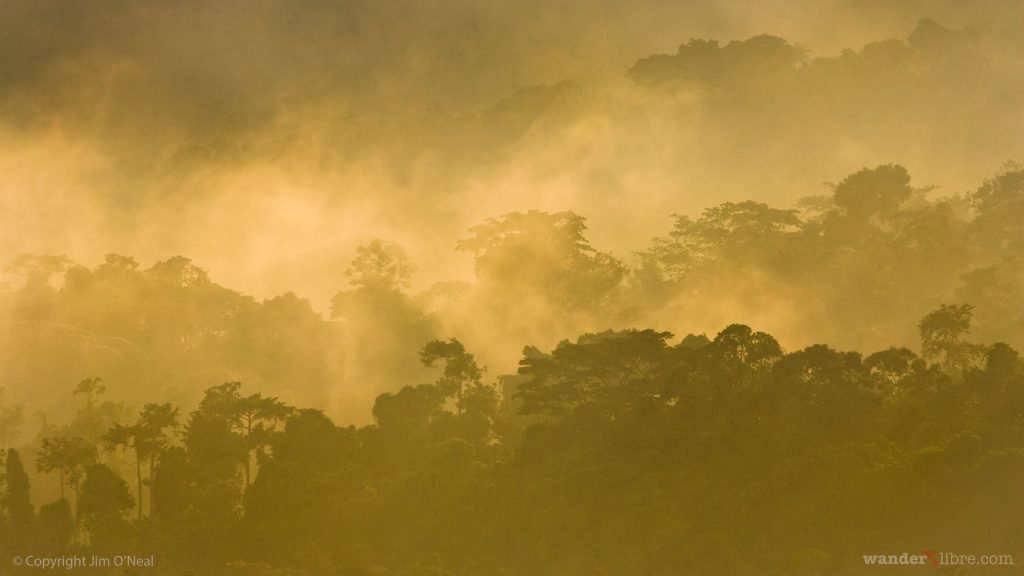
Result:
{"points": [[616, 453]]}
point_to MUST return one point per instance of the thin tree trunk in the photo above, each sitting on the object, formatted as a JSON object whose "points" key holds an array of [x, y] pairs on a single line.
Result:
{"points": [[151, 466], [60, 473], [248, 453], [138, 473], [76, 536]]}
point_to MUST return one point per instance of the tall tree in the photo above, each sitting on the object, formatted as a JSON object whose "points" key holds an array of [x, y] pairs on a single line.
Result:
{"points": [[68, 456], [460, 368], [133, 437], [252, 417], [378, 321], [146, 438], [104, 502], [17, 499], [942, 333]]}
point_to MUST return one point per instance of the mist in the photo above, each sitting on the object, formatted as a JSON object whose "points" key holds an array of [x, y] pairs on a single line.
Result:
{"points": [[534, 287], [266, 140]]}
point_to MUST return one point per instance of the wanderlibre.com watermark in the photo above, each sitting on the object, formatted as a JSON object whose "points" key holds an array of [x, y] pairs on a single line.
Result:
{"points": [[937, 559], [69, 562]]}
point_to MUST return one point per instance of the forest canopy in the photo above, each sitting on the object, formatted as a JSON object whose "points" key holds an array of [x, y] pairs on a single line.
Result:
{"points": [[856, 268]]}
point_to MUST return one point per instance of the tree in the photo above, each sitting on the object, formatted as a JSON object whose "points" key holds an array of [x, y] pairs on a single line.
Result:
{"points": [[36, 299], [211, 491], [744, 231], [999, 203], [17, 499], [68, 456], [408, 411], [523, 256], [93, 416], [730, 367], [104, 502], [170, 485], [380, 264], [942, 332], [460, 368], [576, 373], [57, 523], [90, 388], [738, 345], [215, 451], [310, 493], [377, 322], [126, 437], [873, 192], [154, 420], [476, 403], [833, 384], [146, 438], [892, 365], [252, 416], [760, 59]]}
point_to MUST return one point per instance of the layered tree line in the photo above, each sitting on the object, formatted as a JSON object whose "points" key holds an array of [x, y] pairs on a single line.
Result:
{"points": [[617, 452], [856, 268]]}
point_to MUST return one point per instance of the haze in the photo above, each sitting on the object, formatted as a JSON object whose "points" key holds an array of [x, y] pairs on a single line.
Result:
{"points": [[266, 140]]}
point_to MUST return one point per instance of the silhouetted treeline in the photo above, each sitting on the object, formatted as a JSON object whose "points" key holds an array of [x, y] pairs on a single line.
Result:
{"points": [[615, 453]]}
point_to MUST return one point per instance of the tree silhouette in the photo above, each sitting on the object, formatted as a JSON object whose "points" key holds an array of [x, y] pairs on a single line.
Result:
{"points": [[382, 265], [57, 523], [91, 388], [460, 368], [543, 271], [132, 437], [68, 456], [942, 334], [145, 438], [873, 192], [103, 504], [585, 371], [17, 499], [252, 417]]}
